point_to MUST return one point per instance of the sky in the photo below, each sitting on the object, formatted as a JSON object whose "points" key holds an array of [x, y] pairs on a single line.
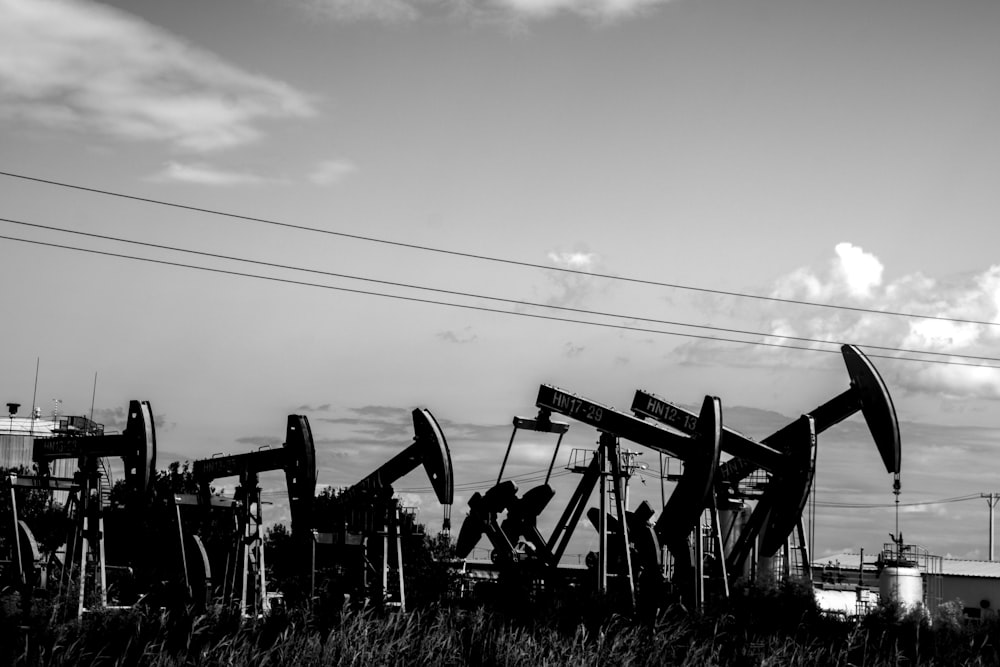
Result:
{"points": [[840, 153]]}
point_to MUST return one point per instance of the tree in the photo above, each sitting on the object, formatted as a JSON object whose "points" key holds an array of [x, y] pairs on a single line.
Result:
{"points": [[36, 507], [426, 570]]}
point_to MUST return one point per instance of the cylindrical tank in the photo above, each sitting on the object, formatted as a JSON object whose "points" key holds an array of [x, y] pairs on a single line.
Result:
{"points": [[903, 584], [732, 521]]}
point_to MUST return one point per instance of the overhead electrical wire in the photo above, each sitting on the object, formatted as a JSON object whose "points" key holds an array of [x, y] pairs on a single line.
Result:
{"points": [[526, 478], [467, 486], [478, 296], [943, 501], [480, 257]]}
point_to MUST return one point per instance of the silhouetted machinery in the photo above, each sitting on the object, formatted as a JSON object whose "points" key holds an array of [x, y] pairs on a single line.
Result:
{"points": [[366, 543], [776, 474], [239, 573], [84, 568], [630, 531], [783, 464]]}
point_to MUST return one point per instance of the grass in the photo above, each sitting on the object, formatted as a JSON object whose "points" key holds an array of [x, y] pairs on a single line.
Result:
{"points": [[757, 628]]}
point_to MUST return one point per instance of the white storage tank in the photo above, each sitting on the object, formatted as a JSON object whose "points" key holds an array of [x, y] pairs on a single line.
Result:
{"points": [[902, 583]]}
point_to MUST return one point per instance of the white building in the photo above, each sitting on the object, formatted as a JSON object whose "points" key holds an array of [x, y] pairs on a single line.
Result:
{"points": [[975, 583]]}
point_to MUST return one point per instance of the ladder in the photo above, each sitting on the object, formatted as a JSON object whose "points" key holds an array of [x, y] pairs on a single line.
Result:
{"points": [[796, 555], [106, 482]]}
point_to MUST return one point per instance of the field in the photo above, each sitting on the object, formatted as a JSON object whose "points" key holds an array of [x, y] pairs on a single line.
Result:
{"points": [[755, 628]]}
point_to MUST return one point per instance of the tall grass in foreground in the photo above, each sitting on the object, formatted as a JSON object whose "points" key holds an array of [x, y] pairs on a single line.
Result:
{"points": [[755, 630]]}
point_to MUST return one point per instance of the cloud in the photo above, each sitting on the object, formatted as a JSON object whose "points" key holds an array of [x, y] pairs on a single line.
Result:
{"points": [[935, 509], [572, 289], [82, 66], [116, 419], [855, 278], [260, 441], [578, 261], [466, 335], [853, 273], [603, 10], [332, 172], [389, 11], [382, 411], [397, 11], [325, 407], [201, 173], [376, 423]]}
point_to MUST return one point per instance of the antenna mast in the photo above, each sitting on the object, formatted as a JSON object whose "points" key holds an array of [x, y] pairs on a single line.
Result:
{"points": [[34, 395]]}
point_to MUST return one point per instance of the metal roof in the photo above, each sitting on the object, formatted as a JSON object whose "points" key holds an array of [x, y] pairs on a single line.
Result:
{"points": [[27, 426], [957, 567], [951, 567]]}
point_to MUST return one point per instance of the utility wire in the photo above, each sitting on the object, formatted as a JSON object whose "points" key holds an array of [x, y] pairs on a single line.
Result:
{"points": [[465, 486], [943, 501], [606, 325], [490, 483], [517, 302], [487, 258]]}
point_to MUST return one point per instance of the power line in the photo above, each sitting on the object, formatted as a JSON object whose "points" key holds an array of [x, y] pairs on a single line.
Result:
{"points": [[487, 258], [517, 302], [943, 501], [525, 478], [606, 325], [490, 483]]}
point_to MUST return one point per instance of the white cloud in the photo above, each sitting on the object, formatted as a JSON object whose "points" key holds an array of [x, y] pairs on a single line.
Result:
{"points": [[860, 272], [853, 273], [854, 278], [579, 261], [331, 172], [410, 499], [594, 9], [573, 289], [395, 11], [87, 67], [391, 11], [204, 174]]}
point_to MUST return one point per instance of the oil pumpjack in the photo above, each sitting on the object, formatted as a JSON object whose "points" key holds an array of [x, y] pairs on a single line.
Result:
{"points": [[88, 491], [743, 543], [242, 566], [787, 457], [700, 449], [367, 540]]}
